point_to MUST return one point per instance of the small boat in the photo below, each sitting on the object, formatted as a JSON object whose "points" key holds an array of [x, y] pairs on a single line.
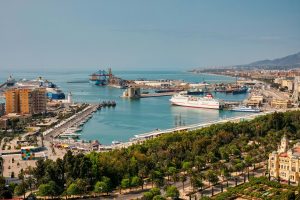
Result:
{"points": [[115, 142], [240, 90], [108, 104], [74, 129], [70, 135], [245, 109], [195, 92]]}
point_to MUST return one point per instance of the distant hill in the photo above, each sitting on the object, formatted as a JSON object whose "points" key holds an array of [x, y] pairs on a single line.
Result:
{"points": [[291, 60]]}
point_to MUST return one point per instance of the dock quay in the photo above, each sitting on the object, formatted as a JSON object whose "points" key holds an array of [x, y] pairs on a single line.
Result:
{"points": [[74, 120], [157, 94]]}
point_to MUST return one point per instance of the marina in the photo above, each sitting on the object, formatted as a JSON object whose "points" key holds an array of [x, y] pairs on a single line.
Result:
{"points": [[68, 127]]}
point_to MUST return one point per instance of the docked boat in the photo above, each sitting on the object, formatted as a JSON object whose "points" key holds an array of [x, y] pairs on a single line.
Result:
{"points": [[52, 90], [70, 135], [10, 81], [208, 101], [195, 92], [55, 93], [75, 129], [241, 90], [245, 109], [100, 77], [115, 142]]}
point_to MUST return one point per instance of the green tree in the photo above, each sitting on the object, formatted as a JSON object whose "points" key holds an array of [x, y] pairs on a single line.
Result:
{"points": [[172, 192], [186, 166], [21, 189], [101, 187], [196, 182], [48, 189], [151, 194], [39, 171], [73, 189], [157, 178], [212, 177], [125, 183], [5, 192], [155, 191], [147, 196], [136, 181], [82, 185], [173, 173], [158, 197], [183, 179], [200, 162]]}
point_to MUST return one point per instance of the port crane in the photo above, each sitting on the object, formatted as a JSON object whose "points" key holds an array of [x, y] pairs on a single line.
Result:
{"points": [[101, 77]]}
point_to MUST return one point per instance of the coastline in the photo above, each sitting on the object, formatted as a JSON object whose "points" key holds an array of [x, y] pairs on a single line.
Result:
{"points": [[132, 115], [193, 127], [212, 74]]}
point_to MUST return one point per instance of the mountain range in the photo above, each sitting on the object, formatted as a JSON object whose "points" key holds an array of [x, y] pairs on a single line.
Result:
{"points": [[291, 60]]}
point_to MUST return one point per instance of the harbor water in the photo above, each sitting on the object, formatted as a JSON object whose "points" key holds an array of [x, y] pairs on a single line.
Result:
{"points": [[131, 117]]}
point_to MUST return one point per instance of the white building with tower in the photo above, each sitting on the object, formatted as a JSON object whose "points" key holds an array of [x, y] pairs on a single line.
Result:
{"points": [[284, 164]]}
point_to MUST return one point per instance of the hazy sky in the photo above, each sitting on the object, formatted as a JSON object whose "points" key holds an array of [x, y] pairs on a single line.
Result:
{"points": [[145, 34]]}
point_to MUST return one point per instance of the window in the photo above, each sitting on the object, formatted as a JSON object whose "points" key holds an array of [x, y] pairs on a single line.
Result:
{"points": [[293, 169]]}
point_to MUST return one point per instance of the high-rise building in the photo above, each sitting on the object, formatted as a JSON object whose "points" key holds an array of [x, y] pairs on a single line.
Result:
{"points": [[12, 101], [26, 100], [2, 109]]}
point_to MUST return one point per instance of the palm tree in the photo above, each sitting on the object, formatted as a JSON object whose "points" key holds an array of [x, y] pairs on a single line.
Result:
{"points": [[183, 178]]}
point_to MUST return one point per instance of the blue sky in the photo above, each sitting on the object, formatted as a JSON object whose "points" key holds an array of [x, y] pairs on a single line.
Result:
{"points": [[145, 35]]}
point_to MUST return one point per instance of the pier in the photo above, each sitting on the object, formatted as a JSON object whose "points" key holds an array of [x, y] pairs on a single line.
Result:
{"points": [[74, 120], [157, 94]]}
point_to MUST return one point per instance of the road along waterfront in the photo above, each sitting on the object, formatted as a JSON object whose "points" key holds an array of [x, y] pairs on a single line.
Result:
{"points": [[149, 135]]}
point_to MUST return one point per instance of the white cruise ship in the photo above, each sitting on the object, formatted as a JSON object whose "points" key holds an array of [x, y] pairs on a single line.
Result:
{"points": [[208, 101]]}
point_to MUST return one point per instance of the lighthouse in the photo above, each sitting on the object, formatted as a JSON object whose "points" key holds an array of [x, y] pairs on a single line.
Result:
{"points": [[70, 98]]}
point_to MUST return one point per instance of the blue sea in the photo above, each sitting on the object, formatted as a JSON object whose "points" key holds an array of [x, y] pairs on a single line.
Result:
{"points": [[131, 117]]}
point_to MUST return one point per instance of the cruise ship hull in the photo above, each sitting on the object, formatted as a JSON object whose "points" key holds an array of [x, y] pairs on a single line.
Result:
{"points": [[215, 107], [196, 102]]}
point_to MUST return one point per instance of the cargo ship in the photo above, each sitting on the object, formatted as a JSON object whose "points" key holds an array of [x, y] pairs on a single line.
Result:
{"points": [[208, 101], [245, 109]]}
